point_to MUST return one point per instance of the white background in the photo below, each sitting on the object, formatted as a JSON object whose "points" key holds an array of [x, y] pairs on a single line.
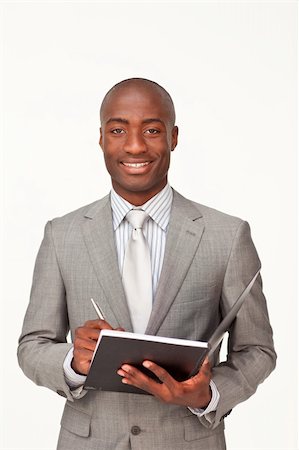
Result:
{"points": [[231, 69]]}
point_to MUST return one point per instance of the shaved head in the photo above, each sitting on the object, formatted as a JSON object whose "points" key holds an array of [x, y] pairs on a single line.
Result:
{"points": [[140, 85], [137, 136]]}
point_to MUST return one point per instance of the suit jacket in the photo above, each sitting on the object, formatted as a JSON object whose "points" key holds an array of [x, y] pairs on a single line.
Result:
{"points": [[209, 259]]}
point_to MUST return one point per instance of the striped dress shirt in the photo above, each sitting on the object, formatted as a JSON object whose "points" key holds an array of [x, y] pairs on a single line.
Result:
{"points": [[155, 229]]}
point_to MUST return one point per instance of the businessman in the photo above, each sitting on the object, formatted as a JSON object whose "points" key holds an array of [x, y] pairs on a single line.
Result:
{"points": [[195, 262]]}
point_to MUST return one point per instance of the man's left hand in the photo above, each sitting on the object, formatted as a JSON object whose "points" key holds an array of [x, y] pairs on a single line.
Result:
{"points": [[194, 392]]}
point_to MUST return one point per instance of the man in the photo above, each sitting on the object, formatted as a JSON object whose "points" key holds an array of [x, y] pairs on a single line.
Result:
{"points": [[201, 260]]}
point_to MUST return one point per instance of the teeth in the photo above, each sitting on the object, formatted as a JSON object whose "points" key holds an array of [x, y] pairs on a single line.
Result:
{"points": [[136, 165]]}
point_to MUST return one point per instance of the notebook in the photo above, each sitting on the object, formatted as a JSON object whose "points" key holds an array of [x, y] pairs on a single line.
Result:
{"points": [[180, 357]]}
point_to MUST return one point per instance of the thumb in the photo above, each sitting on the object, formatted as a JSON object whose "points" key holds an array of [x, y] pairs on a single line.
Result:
{"points": [[206, 362], [205, 365]]}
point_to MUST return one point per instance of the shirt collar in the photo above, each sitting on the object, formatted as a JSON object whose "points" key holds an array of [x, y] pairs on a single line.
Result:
{"points": [[157, 207]]}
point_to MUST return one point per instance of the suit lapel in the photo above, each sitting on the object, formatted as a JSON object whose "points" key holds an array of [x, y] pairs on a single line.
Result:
{"points": [[183, 238], [98, 235]]}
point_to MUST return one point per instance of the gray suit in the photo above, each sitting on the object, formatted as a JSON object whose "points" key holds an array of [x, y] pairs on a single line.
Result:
{"points": [[209, 259]]}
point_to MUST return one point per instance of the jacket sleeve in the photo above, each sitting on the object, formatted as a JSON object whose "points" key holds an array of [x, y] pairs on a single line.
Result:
{"points": [[251, 356], [42, 344]]}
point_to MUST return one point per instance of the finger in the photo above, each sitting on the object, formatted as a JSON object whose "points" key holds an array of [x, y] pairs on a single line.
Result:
{"points": [[98, 324], [135, 377], [87, 333], [81, 361], [205, 368], [131, 371], [88, 344], [161, 374], [206, 363], [82, 355], [131, 375]]}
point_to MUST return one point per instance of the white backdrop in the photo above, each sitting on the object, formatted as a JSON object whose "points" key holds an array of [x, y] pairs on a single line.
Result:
{"points": [[231, 69]]}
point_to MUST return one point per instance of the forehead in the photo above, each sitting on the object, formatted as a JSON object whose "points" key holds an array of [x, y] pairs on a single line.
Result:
{"points": [[140, 102]]}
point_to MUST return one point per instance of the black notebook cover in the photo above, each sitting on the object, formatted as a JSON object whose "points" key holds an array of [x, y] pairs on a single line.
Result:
{"points": [[178, 356]]}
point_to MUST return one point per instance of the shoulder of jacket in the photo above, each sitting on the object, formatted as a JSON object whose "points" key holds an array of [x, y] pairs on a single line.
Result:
{"points": [[78, 215], [208, 213]]}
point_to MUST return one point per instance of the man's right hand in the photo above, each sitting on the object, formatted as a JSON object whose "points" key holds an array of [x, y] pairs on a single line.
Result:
{"points": [[85, 342]]}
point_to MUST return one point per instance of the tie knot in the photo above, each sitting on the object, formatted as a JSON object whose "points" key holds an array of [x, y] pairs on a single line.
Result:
{"points": [[137, 218]]}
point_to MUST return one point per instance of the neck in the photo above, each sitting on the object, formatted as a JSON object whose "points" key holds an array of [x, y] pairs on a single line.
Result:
{"points": [[137, 198]]}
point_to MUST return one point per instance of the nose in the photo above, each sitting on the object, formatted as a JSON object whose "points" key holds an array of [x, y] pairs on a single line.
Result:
{"points": [[135, 143]]}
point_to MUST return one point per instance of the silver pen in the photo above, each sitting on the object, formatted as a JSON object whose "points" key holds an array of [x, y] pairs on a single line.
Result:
{"points": [[98, 309]]}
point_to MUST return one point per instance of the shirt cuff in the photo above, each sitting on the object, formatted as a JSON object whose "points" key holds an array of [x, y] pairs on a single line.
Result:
{"points": [[73, 379], [211, 406]]}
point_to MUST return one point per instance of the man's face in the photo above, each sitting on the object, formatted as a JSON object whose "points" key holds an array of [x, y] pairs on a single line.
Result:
{"points": [[137, 136]]}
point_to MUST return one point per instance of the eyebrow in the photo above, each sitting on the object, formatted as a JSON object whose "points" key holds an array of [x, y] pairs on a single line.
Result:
{"points": [[117, 119], [121, 120], [154, 119]]}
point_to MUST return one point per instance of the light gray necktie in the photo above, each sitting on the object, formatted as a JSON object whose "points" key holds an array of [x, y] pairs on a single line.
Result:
{"points": [[137, 273]]}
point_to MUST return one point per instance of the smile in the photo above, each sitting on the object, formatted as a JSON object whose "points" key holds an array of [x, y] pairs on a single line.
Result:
{"points": [[136, 165]]}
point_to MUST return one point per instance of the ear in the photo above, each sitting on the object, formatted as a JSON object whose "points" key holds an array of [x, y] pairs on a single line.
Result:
{"points": [[101, 139], [174, 137]]}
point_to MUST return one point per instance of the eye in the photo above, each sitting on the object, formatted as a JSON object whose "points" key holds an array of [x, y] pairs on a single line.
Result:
{"points": [[152, 131], [117, 131]]}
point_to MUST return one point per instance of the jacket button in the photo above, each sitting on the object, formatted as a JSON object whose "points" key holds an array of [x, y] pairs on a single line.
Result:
{"points": [[135, 430]]}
